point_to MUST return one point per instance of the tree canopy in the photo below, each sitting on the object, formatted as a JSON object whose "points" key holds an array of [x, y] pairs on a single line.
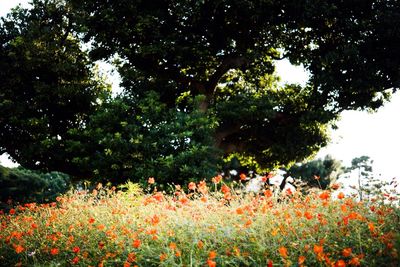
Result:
{"points": [[47, 85], [216, 60]]}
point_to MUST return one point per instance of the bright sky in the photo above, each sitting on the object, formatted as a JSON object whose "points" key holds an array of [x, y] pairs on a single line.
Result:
{"points": [[376, 135]]}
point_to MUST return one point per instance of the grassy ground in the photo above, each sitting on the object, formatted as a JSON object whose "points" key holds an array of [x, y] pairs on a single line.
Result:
{"points": [[211, 225]]}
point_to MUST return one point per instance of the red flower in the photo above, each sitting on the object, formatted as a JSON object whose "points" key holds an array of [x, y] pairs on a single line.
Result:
{"points": [[136, 243], [242, 177], [76, 250], [75, 260], [91, 220], [225, 189], [340, 195], [308, 215], [54, 251], [12, 211]]}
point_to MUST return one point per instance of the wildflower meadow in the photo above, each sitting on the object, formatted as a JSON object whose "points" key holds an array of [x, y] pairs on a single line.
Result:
{"points": [[204, 224]]}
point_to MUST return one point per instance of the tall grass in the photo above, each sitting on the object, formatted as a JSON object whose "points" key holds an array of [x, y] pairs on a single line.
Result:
{"points": [[203, 226]]}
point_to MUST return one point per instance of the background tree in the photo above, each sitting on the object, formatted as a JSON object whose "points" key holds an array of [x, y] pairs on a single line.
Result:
{"points": [[361, 167], [47, 86], [20, 185], [318, 173]]}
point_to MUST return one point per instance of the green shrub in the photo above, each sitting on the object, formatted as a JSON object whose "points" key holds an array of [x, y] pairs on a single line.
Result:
{"points": [[23, 185]]}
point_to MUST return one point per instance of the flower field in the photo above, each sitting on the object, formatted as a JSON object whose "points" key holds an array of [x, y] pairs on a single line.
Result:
{"points": [[205, 225]]}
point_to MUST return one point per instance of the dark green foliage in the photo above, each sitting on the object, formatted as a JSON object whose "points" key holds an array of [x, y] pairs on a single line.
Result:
{"points": [[198, 80], [135, 140], [47, 85], [25, 186], [318, 173], [225, 51]]}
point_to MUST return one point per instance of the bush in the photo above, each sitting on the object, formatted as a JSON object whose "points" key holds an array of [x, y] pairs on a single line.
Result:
{"points": [[23, 185]]}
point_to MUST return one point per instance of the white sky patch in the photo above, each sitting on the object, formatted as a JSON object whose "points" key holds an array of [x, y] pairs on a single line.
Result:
{"points": [[6, 5], [290, 73]]}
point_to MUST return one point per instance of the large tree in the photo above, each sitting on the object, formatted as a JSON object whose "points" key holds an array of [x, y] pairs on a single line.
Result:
{"points": [[47, 86], [225, 51], [190, 70]]}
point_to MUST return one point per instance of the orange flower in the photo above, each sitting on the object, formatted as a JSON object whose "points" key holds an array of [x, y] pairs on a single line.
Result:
{"points": [[308, 215], [54, 251], [91, 220], [324, 195], [12, 211], [136, 243], [242, 177], [346, 252], [200, 244], [178, 253], [301, 260], [340, 263], [228, 196], [131, 257], [239, 211], [192, 186], [172, 245], [355, 261], [163, 256], [155, 219], [340, 195], [318, 249], [212, 255], [217, 179], [268, 193], [151, 180], [184, 200], [19, 249], [76, 250], [371, 227], [283, 252], [248, 223], [225, 189], [211, 263]]}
